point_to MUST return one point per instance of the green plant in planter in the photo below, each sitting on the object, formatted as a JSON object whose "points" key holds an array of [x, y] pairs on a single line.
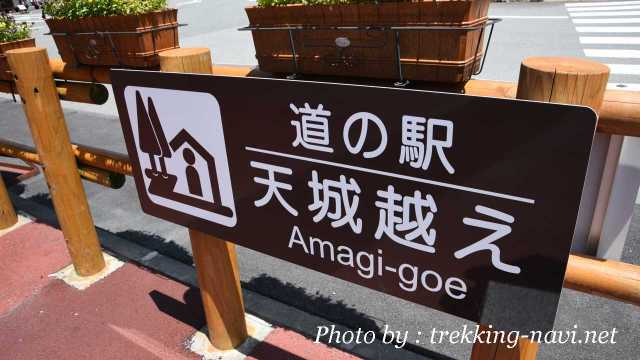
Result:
{"points": [[73, 9], [13, 31]]}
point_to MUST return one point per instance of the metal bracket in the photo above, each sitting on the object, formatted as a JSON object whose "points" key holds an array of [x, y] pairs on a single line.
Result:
{"points": [[401, 81], [92, 50]]}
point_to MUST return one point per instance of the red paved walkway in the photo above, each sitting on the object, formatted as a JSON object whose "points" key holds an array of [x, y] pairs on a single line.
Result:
{"points": [[132, 314]]}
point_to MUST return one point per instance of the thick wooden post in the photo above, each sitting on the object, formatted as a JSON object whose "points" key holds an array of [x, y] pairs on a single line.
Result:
{"points": [[524, 350], [563, 80], [559, 80], [35, 84], [219, 281], [215, 259], [8, 215]]}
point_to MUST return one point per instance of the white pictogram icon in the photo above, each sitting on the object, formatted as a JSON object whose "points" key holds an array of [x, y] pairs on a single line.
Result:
{"points": [[182, 170]]}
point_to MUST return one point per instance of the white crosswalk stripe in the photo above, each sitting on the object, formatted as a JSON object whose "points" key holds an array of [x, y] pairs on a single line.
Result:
{"points": [[530, 17], [608, 29], [28, 18], [607, 21], [607, 32], [601, 3], [186, 3], [610, 40], [606, 8], [604, 13], [613, 53], [627, 69]]}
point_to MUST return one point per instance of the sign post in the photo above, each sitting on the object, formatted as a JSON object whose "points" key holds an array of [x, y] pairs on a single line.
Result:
{"points": [[215, 259], [463, 204], [560, 80]]}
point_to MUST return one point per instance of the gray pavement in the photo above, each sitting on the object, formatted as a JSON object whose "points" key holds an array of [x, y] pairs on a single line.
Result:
{"points": [[213, 24]]}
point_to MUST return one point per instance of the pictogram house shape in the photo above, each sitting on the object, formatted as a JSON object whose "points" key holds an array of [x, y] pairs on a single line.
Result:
{"points": [[153, 142], [184, 137]]}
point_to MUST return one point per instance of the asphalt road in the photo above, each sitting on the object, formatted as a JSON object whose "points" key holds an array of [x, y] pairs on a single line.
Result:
{"points": [[535, 29]]}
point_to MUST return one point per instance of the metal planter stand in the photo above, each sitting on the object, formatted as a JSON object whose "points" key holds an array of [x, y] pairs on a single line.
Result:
{"points": [[397, 30], [94, 52]]}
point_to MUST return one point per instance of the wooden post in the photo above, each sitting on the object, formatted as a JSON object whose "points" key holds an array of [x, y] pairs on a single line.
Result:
{"points": [[524, 350], [559, 80], [35, 84], [563, 80], [219, 281], [215, 259], [8, 215]]}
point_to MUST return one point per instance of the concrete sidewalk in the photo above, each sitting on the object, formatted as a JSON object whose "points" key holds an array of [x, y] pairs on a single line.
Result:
{"points": [[132, 313]]}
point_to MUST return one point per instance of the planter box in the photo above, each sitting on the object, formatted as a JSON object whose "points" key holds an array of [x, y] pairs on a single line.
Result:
{"points": [[132, 41], [446, 55], [5, 71]]}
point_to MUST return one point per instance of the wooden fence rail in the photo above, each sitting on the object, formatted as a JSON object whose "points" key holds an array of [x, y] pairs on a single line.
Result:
{"points": [[82, 92], [619, 114], [99, 166]]}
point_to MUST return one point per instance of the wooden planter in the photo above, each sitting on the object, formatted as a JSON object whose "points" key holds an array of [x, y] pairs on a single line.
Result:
{"points": [[132, 41], [444, 55], [5, 71]]}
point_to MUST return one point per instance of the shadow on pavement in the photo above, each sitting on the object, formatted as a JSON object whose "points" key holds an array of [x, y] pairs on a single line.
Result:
{"points": [[42, 199], [267, 351], [324, 307], [157, 243], [188, 311], [316, 304]]}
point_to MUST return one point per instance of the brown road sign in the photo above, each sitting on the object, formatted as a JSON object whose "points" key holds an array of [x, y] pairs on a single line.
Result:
{"points": [[463, 204]]}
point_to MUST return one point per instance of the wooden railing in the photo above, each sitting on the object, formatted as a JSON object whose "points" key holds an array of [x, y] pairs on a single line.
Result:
{"points": [[619, 114]]}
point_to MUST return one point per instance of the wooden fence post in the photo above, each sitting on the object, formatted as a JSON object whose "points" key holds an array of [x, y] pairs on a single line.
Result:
{"points": [[523, 350], [42, 108], [8, 215], [558, 80], [215, 259], [563, 80]]}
